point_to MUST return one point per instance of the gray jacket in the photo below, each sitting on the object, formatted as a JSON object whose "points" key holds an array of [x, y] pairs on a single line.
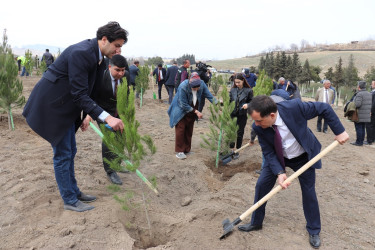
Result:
{"points": [[363, 101]]}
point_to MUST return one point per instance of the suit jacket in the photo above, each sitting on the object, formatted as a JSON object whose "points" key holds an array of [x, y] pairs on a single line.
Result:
{"points": [[245, 98], [57, 100], [295, 115], [164, 72], [103, 94], [171, 75], [133, 70], [319, 96]]}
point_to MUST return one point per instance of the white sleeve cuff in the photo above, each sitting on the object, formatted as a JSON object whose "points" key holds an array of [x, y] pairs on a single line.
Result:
{"points": [[103, 116]]}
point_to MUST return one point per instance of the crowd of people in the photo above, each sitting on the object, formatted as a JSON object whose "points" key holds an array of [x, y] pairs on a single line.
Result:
{"points": [[85, 77]]}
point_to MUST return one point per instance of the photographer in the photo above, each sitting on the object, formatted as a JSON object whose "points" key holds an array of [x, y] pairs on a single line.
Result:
{"points": [[205, 75]]}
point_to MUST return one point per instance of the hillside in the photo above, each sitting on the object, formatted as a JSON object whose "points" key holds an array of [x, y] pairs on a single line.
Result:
{"points": [[325, 59]]}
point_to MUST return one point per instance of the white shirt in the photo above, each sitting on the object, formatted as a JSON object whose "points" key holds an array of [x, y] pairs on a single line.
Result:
{"points": [[291, 147], [325, 94], [194, 97], [161, 74]]}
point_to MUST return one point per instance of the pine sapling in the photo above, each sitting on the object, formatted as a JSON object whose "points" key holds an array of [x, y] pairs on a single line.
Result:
{"points": [[142, 82], [10, 86], [222, 124]]}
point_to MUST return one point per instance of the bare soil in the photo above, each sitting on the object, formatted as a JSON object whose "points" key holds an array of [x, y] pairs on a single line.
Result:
{"points": [[194, 199]]}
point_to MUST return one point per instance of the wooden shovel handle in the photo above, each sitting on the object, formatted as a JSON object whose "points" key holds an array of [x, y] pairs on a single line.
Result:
{"points": [[290, 179], [243, 147]]}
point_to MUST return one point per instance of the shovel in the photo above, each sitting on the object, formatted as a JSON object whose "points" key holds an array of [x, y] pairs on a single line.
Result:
{"points": [[227, 158], [228, 226]]}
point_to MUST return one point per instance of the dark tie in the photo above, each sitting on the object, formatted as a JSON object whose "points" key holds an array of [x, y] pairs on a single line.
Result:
{"points": [[116, 85], [278, 146]]}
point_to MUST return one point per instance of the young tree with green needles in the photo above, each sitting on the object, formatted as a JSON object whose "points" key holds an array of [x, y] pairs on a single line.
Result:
{"points": [[222, 126], [128, 145], [142, 81], [29, 62], [264, 85], [10, 86], [216, 81]]}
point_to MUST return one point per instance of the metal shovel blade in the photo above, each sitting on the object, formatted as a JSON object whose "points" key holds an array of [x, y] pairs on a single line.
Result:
{"points": [[228, 227]]}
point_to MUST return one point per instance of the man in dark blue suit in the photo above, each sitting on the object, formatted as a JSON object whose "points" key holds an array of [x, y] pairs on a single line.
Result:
{"points": [[134, 71], [285, 124], [160, 74], [170, 79], [55, 104]]}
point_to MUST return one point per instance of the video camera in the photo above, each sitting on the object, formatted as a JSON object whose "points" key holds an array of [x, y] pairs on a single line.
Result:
{"points": [[202, 67]]}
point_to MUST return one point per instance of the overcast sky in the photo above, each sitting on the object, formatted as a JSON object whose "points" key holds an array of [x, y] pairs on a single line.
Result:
{"points": [[208, 29]]}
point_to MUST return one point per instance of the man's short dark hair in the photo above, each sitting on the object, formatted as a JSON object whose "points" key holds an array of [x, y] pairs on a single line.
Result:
{"points": [[160, 65], [112, 31], [262, 104], [362, 84], [47, 50], [118, 60], [136, 62]]}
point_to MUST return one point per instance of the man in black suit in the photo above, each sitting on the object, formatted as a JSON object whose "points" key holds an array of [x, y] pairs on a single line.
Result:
{"points": [[104, 94], [160, 74], [170, 78], [55, 105], [370, 126]]}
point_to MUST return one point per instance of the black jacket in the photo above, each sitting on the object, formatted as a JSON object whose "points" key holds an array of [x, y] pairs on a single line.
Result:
{"points": [[240, 97], [103, 94]]}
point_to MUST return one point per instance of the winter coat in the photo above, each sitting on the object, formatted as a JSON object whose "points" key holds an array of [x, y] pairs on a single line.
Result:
{"points": [[363, 102], [245, 97], [181, 104]]}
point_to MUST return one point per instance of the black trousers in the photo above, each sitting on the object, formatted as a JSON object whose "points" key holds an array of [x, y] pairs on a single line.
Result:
{"points": [[106, 153], [370, 129], [241, 122], [160, 86]]}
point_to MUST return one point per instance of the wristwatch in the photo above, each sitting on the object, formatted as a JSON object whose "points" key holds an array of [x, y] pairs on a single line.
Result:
{"points": [[281, 172]]}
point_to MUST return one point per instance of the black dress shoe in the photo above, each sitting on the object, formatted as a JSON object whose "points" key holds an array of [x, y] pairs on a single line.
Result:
{"points": [[318, 130], [315, 240], [114, 178], [325, 131], [367, 143], [249, 227], [86, 198], [355, 144]]}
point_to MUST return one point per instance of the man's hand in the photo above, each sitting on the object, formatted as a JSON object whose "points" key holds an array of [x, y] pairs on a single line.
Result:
{"points": [[199, 114], [251, 143], [342, 138], [115, 123], [86, 122], [280, 179]]}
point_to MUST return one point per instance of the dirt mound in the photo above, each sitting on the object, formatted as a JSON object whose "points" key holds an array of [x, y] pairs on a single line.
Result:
{"points": [[195, 197]]}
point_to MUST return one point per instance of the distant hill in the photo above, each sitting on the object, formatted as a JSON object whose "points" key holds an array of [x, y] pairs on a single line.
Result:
{"points": [[36, 49], [363, 60]]}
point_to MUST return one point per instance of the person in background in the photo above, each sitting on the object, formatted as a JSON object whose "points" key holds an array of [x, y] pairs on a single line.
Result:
{"points": [[250, 78], [183, 112], [324, 94], [370, 126], [182, 73], [170, 80], [48, 58], [57, 101], [241, 94], [160, 74], [363, 102], [133, 72]]}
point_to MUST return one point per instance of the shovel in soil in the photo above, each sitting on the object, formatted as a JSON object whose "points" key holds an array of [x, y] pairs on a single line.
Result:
{"points": [[228, 226], [227, 158]]}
